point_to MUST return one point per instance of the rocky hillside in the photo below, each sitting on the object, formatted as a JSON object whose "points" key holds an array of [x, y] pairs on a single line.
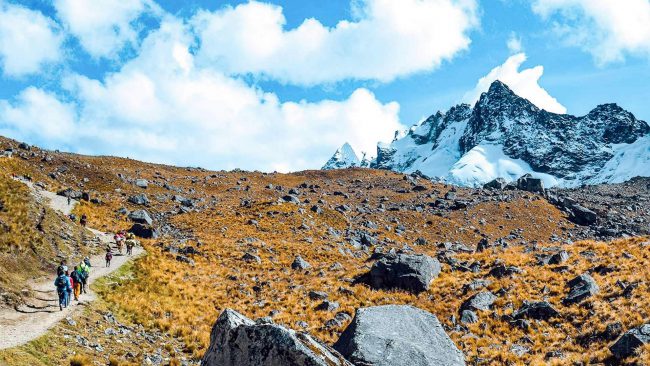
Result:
{"points": [[506, 136], [326, 260]]}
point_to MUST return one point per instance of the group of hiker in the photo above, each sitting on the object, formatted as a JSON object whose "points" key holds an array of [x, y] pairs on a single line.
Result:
{"points": [[71, 284], [122, 239]]}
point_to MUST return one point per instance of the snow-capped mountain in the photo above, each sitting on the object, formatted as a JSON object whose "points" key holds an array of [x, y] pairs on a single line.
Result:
{"points": [[507, 136], [344, 157]]}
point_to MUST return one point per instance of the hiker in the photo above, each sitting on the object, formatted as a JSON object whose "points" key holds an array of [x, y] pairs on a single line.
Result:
{"points": [[130, 243], [109, 257], [83, 220], [63, 267], [62, 283], [77, 277], [67, 194], [69, 290], [84, 266]]}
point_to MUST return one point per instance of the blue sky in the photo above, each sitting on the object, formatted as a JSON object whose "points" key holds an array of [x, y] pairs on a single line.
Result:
{"points": [[279, 85]]}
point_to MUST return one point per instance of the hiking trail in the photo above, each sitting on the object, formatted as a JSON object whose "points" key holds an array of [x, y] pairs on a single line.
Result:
{"points": [[32, 320]]}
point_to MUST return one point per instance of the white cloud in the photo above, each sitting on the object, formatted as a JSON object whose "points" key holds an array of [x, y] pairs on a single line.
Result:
{"points": [[608, 29], [103, 27], [161, 107], [36, 114], [388, 39], [28, 40], [524, 83], [514, 43]]}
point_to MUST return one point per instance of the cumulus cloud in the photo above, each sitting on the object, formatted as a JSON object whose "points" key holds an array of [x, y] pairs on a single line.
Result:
{"points": [[608, 29], [28, 40], [524, 83], [387, 39], [161, 107], [103, 27]]}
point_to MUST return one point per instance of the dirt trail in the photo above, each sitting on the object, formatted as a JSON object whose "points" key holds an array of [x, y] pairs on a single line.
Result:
{"points": [[19, 326]]}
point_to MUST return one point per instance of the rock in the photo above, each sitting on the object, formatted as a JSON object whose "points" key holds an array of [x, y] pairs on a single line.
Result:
{"points": [[316, 209], [630, 341], [468, 317], [317, 295], [141, 217], [139, 199], [397, 335], [481, 301], [539, 310], [529, 184], [300, 263], [238, 341], [69, 192], [559, 257], [582, 287], [501, 270], [142, 183], [184, 259], [410, 272], [498, 183], [327, 306], [291, 199], [250, 258], [144, 231], [582, 215]]}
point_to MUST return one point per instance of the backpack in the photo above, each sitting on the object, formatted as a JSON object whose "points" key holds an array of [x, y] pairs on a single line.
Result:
{"points": [[109, 256], [61, 283]]}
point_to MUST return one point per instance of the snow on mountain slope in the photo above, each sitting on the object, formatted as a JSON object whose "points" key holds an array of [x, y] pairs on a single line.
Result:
{"points": [[344, 157], [506, 136], [486, 162]]}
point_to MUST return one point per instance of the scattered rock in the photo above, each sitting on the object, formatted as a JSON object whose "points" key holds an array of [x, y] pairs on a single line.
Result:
{"points": [[630, 341], [481, 301], [141, 217], [539, 310], [582, 287], [300, 263]]}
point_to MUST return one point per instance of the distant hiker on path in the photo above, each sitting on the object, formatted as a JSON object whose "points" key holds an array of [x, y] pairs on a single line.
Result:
{"points": [[62, 284], [77, 277], [109, 257], [130, 243], [84, 220]]}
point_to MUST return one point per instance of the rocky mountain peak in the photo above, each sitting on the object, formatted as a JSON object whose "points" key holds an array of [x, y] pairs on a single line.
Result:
{"points": [[344, 157], [505, 135]]}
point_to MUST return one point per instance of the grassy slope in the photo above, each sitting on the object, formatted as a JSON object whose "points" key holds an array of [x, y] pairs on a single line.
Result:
{"points": [[184, 301]]}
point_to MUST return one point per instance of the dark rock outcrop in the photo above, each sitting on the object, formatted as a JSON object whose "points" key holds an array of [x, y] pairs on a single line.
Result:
{"points": [[410, 272]]}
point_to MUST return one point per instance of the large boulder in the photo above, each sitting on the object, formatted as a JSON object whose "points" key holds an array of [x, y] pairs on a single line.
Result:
{"points": [[528, 183], [582, 215], [582, 287], [397, 335], [410, 272], [238, 341], [69, 192], [630, 341], [144, 231], [498, 183], [141, 217]]}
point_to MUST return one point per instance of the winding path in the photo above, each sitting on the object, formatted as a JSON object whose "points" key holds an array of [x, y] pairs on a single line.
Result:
{"points": [[19, 326]]}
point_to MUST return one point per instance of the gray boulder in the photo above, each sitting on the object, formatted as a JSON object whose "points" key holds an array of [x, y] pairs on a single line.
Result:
{"points": [[498, 183], [238, 341], [139, 199], [410, 272], [300, 263], [582, 287], [582, 215], [539, 310], [468, 317], [528, 183], [142, 183], [144, 231], [397, 335], [141, 217], [630, 341], [480, 301]]}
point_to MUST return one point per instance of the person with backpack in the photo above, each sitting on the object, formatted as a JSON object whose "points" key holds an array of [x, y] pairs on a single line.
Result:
{"points": [[77, 277], [109, 257], [68, 297], [84, 266], [84, 220], [62, 284], [130, 243]]}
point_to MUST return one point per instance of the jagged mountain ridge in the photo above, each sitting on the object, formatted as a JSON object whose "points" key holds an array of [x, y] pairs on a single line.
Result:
{"points": [[507, 136]]}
